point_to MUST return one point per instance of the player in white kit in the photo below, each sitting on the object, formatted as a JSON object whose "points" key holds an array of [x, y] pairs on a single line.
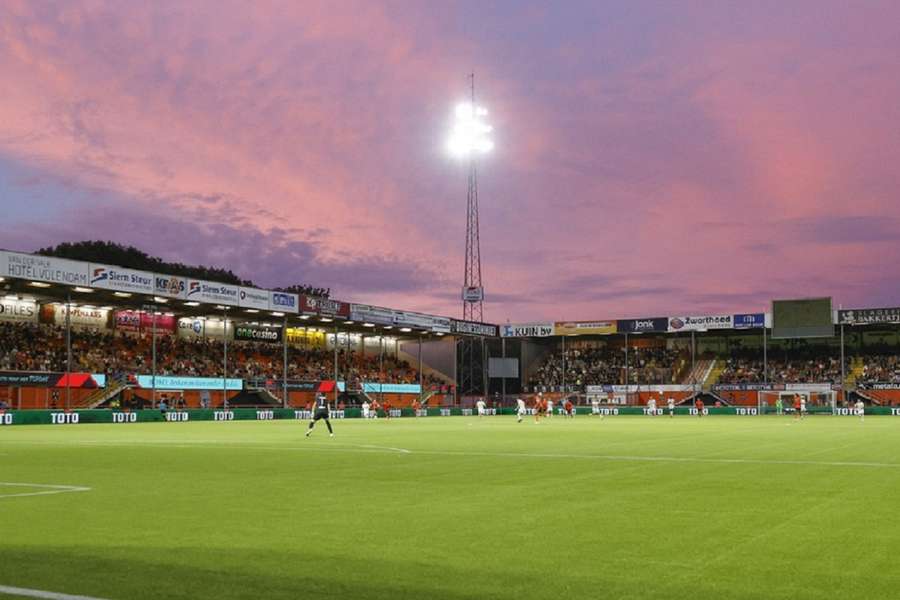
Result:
{"points": [[365, 409], [549, 408], [671, 403], [860, 410], [651, 406], [521, 411], [480, 406]]}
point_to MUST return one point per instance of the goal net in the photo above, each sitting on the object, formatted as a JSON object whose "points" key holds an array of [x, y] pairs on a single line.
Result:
{"points": [[782, 401]]}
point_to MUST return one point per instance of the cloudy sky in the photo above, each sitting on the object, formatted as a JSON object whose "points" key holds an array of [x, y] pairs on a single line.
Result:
{"points": [[652, 157]]}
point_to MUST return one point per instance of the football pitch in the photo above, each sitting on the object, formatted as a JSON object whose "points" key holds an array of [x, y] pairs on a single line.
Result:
{"points": [[455, 507]]}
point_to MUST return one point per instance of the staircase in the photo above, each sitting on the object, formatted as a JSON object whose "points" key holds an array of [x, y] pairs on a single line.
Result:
{"points": [[101, 395], [714, 373], [701, 372]]}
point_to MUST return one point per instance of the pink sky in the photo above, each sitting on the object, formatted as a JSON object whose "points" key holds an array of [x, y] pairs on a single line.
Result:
{"points": [[652, 158]]}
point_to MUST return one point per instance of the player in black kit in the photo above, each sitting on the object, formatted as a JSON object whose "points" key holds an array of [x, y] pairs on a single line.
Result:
{"points": [[320, 411]]}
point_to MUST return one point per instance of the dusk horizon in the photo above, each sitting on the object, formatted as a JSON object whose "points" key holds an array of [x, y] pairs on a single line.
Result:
{"points": [[650, 159]]}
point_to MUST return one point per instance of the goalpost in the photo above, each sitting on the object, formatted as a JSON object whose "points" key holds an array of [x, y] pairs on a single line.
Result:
{"points": [[817, 401]]}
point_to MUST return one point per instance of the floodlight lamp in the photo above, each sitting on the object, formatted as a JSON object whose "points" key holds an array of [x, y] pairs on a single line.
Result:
{"points": [[469, 136]]}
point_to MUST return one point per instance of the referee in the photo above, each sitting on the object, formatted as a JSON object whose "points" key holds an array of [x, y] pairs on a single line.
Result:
{"points": [[321, 412]]}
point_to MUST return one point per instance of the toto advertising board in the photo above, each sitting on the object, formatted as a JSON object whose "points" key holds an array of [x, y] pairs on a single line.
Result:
{"points": [[22, 311], [203, 328], [526, 330], [649, 325], [121, 280], [324, 306], [134, 321], [257, 333], [701, 323], [44, 268]]}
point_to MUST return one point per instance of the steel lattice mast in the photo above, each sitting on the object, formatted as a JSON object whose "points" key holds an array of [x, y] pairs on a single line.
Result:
{"points": [[473, 310]]}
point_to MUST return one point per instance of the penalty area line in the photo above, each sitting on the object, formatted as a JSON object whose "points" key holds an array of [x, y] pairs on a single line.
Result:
{"points": [[29, 593], [46, 489]]}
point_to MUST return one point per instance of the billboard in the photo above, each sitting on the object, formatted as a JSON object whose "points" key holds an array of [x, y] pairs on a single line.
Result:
{"points": [[121, 280], [526, 330], [22, 311], [429, 322], [649, 325], [749, 321], [47, 379], [193, 328], [43, 268], [212, 292], [325, 306], [79, 316], [257, 333], [371, 314], [305, 336], [701, 323], [473, 328], [585, 327], [253, 298], [136, 321], [170, 286], [868, 316], [283, 302], [169, 382]]}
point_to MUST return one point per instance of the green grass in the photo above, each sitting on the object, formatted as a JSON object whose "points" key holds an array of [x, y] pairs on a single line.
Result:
{"points": [[476, 509]]}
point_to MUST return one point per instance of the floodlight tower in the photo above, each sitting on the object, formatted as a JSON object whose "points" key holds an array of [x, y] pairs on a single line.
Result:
{"points": [[469, 140]]}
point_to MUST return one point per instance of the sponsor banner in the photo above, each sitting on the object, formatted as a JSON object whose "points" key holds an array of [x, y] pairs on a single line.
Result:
{"points": [[121, 280], [169, 382], [429, 322], [749, 321], [473, 294], [371, 314], [526, 330], [253, 298], [391, 388], [626, 389], [702, 323], [747, 387], [879, 386], [808, 387], [170, 286], [306, 337], [325, 306], [44, 268], [473, 328], [136, 321], [212, 292], [79, 316], [866, 316], [22, 311], [42, 379], [585, 327], [257, 333], [284, 302], [653, 324], [204, 328]]}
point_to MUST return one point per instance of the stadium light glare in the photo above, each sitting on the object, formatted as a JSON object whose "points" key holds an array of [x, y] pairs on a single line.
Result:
{"points": [[252, 311], [192, 304], [2, 278], [368, 324], [122, 294], [277, 314], [469, 135], [325, 320], [159, 300], [349, 322], [304, 317], [82, 290], [41, 284], [405, 329]]}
